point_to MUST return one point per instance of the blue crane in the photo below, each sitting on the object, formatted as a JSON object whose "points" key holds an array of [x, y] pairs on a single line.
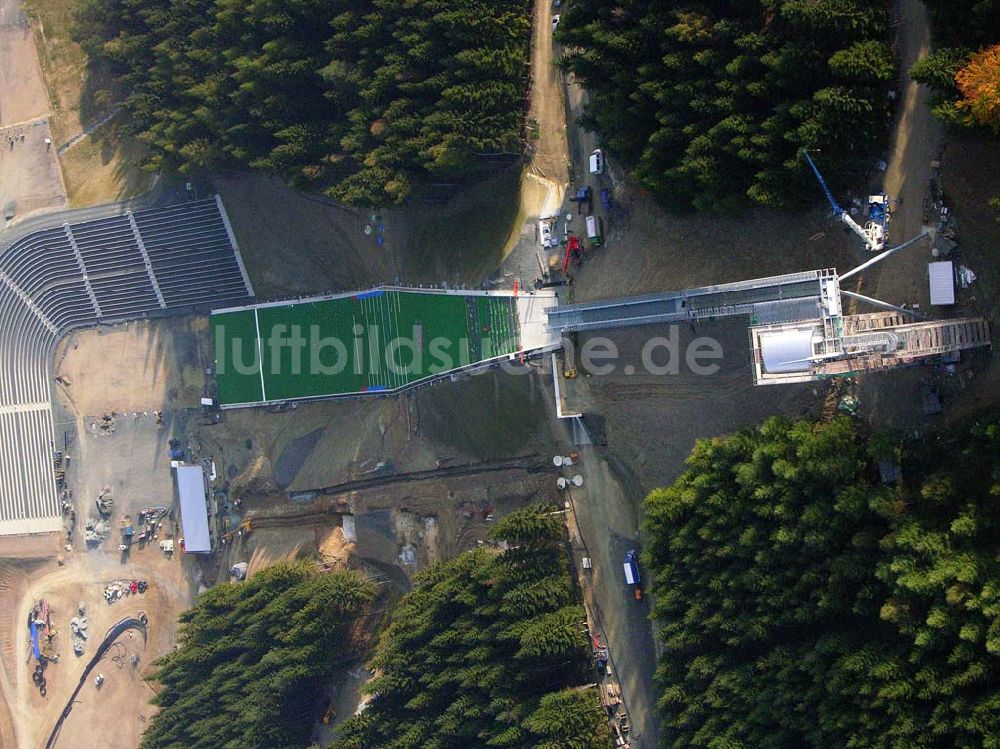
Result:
{"points": [[873, 234]]}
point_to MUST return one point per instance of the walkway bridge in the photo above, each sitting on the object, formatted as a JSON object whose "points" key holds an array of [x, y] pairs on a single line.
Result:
{"points": [[794, 296], [798, 332]]}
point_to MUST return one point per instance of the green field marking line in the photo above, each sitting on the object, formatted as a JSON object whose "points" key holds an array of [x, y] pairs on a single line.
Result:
{"points": [[393, 312], [378, 351], [390, 323], [232, 329], [380, 367], [372, 352], [357, 343], [260, 356], [400, 373], [385, 323], [365, 363]]}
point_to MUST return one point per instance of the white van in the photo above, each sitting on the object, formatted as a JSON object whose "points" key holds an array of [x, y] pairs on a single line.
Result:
{"points": [[597, 161]]}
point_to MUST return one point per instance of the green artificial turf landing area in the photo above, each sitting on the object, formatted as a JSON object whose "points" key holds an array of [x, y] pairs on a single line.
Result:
{"points": [[375, 341]]}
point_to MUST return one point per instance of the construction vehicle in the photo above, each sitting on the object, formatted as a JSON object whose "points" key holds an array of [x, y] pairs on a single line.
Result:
{"points": [[632, 573], [601, 656], [584, 196], [597, 161], [875, 230], [595, 230], [245, 529], [574, 250], [128, 531]]}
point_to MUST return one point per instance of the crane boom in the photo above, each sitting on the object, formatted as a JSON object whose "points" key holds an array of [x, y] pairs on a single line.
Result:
{"points": [[822, 183], [871, 242]]}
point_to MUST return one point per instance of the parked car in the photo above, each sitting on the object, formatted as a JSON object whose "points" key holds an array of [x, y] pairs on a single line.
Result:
{"points": [[545, 234], [555, 22]]}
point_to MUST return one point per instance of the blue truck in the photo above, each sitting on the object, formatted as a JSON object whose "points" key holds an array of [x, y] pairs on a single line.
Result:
{"points": [[632, 573]]}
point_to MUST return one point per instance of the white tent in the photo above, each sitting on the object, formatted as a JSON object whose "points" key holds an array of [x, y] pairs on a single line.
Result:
{"points": [[942, 278]]}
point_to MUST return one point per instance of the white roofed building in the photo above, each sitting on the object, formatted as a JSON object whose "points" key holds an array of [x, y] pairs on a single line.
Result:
{"points": [[192, 490]]}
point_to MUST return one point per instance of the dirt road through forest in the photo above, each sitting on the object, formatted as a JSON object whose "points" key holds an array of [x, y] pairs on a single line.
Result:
{"points": [[915, 144]]}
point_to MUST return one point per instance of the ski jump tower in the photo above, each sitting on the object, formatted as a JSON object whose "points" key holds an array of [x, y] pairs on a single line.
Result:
{"points": [[798, 329]]}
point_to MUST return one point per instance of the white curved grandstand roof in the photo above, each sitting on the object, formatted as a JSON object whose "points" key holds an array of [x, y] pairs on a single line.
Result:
{"points": [[787, 351]]}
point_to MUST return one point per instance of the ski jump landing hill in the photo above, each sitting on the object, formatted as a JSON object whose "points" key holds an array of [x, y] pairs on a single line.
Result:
{"points": [[384, 340]]}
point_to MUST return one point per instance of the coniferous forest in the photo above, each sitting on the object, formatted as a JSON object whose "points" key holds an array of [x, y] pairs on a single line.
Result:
{"points": [[364, 98], [805, 604], [710, 103], [252, 658], [488, 650], [964, 69]]}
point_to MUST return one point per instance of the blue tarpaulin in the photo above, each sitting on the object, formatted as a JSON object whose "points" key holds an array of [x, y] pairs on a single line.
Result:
{"points": [[35, 648]]}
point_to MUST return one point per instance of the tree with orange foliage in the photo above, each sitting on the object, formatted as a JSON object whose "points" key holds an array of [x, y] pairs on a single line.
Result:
{"points": [[979, 83]]}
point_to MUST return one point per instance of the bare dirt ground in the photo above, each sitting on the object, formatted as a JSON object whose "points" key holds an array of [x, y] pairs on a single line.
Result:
{"points": [[22, 90], [134, 367], [548, 172], [14, 577], [545, 180], [301, 244], [969, 180], [68, 83], [650, 423], [284, 465], [402, 521], [302, 466], [463, 240], [29, 173], [30, 180], [114, 715], [103, 166], [660, 252], [275, 461]]}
